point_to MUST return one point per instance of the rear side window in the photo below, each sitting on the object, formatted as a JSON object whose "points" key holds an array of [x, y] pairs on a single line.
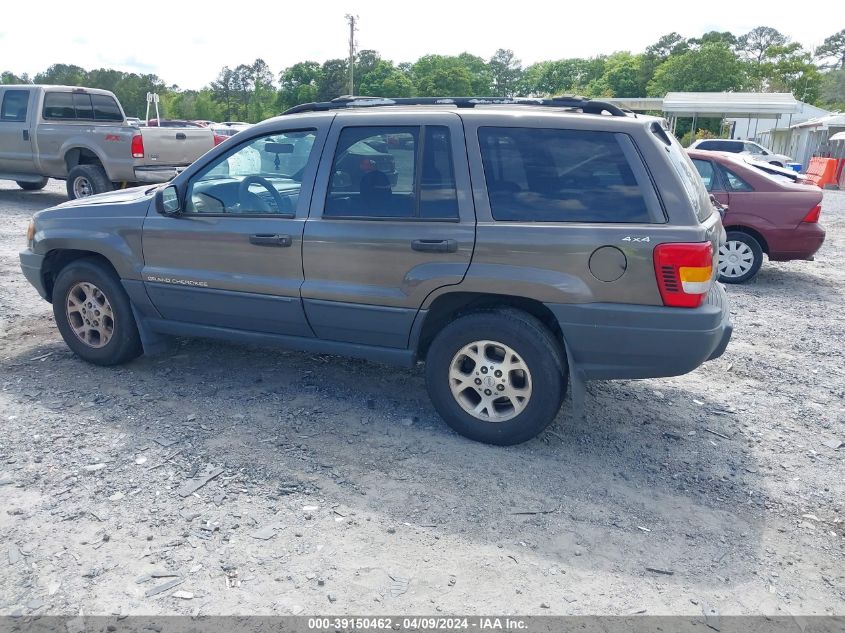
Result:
{"points": [[393, 172], [59, 105], [106, 108], [553, 175], [82, 105], [735, 182], [14, 105], [691, 181]]}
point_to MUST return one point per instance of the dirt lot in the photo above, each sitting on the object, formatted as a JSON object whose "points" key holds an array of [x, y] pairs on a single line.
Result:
{"points": [[342, 492]]}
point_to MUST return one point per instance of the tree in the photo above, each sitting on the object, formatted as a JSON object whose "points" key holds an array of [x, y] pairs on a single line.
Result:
{"points": [[442, 76], [298, 84], [383, 80], [8, 77], [480, 79], [754, 44], [506, 72], [223, 91], [833, 89], [789, 68], [714, 37], [670, 44], [63, 75], [712, 68], [622, 76], [833, 48], [334, 79]]}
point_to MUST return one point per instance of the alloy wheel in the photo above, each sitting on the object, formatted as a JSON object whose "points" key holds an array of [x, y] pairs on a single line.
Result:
{"points": [[90, 314]]}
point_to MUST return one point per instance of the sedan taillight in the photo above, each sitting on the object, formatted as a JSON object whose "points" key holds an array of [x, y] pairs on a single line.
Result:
{"points": [[813, 215]]}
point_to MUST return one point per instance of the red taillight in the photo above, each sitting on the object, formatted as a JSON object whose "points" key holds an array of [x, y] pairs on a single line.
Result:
{"points": [[684, 272], [137, 146], [813, 215], [219, 138]]}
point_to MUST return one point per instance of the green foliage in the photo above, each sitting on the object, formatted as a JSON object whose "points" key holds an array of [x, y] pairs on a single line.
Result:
{"points": [[711, 68], [762, 59], [833, 48]]}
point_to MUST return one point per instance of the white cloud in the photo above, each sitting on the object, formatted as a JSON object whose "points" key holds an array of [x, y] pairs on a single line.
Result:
{"points": [[187, 43]]}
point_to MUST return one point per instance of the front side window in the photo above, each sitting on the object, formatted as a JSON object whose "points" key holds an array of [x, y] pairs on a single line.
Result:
{"points": [[553, 175], [263, 177], [14, 105]]}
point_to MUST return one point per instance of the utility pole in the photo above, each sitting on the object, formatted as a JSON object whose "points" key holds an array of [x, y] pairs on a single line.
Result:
{"points": [[352, 19]]}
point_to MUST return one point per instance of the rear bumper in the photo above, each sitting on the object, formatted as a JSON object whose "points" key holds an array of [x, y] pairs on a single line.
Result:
{"points": [[611, 340], [156, 174], [801, 242], [31, 265]]}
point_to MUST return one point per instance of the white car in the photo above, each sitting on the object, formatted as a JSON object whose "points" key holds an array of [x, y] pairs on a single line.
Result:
{"points": [[738, 146]]}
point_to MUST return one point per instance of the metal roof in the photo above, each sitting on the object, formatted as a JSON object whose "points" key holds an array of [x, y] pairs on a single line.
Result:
{"points": [[761, 105], [824, 122]]}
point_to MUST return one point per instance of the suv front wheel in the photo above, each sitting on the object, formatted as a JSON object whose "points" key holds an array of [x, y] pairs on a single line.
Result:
{"points": [[497, 377], [94, 315]]}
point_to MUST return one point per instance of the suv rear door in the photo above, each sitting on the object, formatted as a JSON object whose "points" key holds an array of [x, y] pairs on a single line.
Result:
{"points": [[391, 220], [16, 108]]}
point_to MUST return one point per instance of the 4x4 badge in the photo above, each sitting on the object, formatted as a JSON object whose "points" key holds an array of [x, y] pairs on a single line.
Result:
{"points": [[636, 239]]}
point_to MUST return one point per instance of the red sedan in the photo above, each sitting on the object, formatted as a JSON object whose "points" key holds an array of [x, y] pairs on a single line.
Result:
{"points": [[765, 214]]}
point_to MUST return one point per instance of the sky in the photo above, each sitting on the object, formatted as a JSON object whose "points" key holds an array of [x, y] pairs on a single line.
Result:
{"points": [[186, 42]]}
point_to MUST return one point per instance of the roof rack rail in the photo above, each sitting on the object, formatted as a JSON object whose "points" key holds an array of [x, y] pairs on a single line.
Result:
{"points": [[588, 106]]}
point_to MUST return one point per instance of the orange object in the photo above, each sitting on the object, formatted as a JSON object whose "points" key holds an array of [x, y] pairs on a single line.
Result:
{"points": [[823, 171]]}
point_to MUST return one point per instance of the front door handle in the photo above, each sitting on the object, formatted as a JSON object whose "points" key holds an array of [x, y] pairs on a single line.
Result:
{"points": [[180, 136], [271, 240], [26, 135], [435, 246]]}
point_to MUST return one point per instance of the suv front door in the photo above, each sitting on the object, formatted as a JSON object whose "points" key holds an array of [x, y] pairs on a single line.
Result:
{"points": [[16, 155], [232, 258], [391, 220]]}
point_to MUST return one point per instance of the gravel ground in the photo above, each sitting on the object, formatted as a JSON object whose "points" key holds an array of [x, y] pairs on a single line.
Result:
{"points": [[339, 490]]}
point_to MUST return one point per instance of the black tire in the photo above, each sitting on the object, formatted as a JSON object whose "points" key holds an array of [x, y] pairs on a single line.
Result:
{"points": [[91, 178], [533, 344], [124, 343], [32, 186], [735, 239]]}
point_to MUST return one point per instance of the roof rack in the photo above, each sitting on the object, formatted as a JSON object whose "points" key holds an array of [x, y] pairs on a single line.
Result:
{"points": [[588, 106]]}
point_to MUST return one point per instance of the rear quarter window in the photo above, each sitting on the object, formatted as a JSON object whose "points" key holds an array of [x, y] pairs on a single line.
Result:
{"points": [[692, 183], [557, 175]]}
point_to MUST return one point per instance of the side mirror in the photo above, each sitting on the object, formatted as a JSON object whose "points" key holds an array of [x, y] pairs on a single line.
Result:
{"points": [[167, 201]]}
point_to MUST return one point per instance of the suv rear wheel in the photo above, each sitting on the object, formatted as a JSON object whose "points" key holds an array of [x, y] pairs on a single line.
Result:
{"points": [[87, 180], [93, 314], [740, 257], [497, 377]]}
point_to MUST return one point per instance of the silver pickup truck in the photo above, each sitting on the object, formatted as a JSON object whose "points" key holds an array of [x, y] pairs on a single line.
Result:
{"points": [[81, 135]]}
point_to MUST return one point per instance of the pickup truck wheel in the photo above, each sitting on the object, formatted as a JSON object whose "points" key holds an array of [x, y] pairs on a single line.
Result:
{"points": [[496, 377], [94, 315], [87, 180], [32, 186], [740, 257]]}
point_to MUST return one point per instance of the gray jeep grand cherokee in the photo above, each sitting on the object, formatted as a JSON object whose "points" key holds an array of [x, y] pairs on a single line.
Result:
{"points": [[515, 246]]}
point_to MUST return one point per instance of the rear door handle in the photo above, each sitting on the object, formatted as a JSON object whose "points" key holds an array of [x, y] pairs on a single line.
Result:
{"points": [[180, 136], [435, 246], [26, 135], [271, 240]]}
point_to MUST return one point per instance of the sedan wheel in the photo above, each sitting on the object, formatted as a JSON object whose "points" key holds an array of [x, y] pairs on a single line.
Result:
{"points": [[740, 257]]}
